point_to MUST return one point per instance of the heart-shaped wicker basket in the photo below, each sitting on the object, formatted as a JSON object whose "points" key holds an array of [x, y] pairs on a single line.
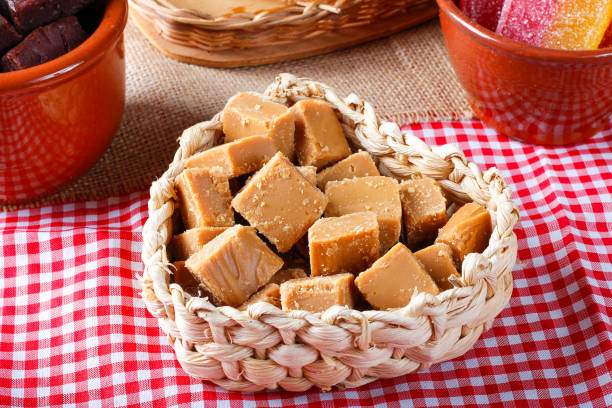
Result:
{"points": [[265, 347]]}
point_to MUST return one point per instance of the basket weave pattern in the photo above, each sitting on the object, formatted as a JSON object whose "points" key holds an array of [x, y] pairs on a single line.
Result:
{"points": [[265, 347], [302, 20]]}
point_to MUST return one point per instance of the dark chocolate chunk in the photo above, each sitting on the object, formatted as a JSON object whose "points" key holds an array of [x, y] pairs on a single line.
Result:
{"points": [[8, 36], [44, 44], [27, 15]]}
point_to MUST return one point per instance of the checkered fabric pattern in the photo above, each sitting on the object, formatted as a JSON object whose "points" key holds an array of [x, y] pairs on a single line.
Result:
{"points": [[74, 331]]}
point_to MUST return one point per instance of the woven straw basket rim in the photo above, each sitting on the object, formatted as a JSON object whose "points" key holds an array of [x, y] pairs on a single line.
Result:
{"points": [[296, 21], [265, 347]]}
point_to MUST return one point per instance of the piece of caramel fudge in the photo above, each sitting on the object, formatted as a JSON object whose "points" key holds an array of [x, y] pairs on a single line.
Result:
{"points": [[287, 274], [392, 279], [318, 294], [437, 259], [356, 165], [234, 265], [235, 158], [309, 173], [424, 210], [250, 115], [319, 139], [27, 15], [185, 279], [204, 199], [280, 203], [467, 231], [375, 193], [269, 294], [349, 243], [191, 241]]}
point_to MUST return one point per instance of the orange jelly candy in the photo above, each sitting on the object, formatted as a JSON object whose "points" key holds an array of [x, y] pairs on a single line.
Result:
{"points": [[578, 24]]}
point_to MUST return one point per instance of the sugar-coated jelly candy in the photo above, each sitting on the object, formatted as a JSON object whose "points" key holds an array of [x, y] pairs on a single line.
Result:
{"points": [[526, 21], [484, 12], [607, 39], [578, 24]]}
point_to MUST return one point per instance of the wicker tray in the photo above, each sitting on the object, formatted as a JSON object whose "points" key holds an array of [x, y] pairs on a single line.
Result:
{"points": [[303, 29], [265, 347]]}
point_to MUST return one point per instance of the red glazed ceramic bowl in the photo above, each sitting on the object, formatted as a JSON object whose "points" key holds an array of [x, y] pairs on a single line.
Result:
{"points": [[534, 94], [56, 119]]}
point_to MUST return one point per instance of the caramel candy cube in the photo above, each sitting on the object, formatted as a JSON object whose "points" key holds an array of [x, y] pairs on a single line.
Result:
{"points": [[234, 265], [356, 165], [424, 210], [349, 243], [185, 279], [280, 203], [250, 115], [319, 139], [302, 247], [309, 173], [287, 274], [236, 158], [204, 199], [392, 279], [269, 294], [437, 259], [467, 231], [375, 193], [191, 241], [318, 294]]}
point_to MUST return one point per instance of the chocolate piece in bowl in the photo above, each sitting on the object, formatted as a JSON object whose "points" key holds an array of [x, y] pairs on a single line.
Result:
{"points": [[44, 44], [319, 293], [319, 139], [378, 194], [349, 243], [250, 115], [8, 36], [392, 279], [280, 202], [234, 265], [204, 199], [27, 15]]}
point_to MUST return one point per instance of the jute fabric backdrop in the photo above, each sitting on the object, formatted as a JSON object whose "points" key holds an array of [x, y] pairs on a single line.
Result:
{"points": [[407, 77]]}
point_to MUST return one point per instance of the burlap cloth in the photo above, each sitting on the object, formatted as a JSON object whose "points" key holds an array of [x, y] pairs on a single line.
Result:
{"points": [[407, 77]]}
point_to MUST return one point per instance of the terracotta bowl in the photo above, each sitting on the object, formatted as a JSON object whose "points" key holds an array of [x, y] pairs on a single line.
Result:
{"points": [[534, 94], [56, 119]]}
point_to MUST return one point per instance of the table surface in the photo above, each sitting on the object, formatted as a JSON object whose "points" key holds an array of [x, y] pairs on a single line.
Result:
{"points": [[74, 331]]}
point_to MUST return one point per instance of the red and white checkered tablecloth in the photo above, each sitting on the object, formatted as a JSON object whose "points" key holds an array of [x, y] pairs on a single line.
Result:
{"points": [[74, 331]]}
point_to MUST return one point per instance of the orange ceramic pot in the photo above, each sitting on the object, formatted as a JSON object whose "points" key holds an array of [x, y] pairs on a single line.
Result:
{"points": [[537, 95], [56, 119]]}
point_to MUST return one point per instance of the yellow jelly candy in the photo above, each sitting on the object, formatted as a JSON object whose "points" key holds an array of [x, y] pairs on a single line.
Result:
{"points": [[578, 24]]}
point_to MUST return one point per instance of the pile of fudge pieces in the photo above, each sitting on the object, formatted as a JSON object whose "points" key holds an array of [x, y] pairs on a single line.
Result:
{"points": [[36, 31], [284, 212]]}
